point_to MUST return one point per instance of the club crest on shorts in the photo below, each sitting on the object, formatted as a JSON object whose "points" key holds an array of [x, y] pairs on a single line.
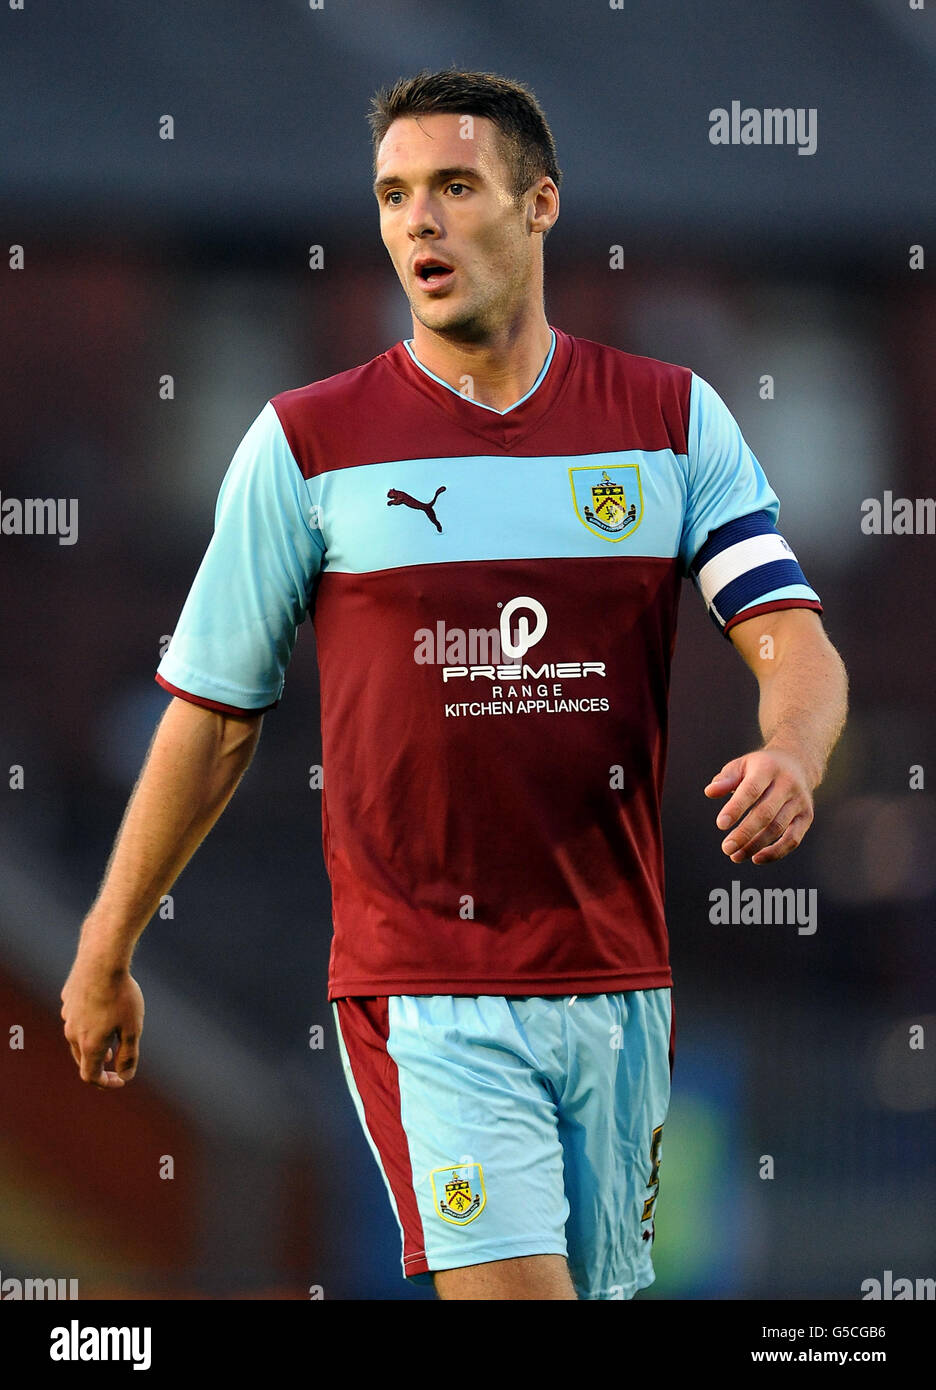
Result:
{"points": [[608, 501], [458, 1192]]}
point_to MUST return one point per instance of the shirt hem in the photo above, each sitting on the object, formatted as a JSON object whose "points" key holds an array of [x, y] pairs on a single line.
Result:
{"points": [[484, 1254], [521, 988]]}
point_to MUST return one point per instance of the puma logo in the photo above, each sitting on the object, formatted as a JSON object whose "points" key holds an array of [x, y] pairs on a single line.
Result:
{"points": [[395, 498]]}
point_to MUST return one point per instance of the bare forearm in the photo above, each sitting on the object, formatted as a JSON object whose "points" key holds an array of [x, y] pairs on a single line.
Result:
{"points": [[804, 702], [194, 764]]}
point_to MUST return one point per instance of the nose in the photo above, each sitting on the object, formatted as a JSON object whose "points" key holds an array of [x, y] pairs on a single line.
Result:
{"points": [[422, 216]]}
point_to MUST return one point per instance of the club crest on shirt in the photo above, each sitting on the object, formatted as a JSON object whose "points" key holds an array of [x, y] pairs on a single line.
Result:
{"points": [[608, 501], [458, 1192]]}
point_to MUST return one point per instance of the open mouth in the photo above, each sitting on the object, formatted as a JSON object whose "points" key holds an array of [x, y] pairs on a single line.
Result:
{"points": [[433, 273]]}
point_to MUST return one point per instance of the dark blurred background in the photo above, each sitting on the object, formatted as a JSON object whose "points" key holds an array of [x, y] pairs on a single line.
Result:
{"points": [[145, 258]]}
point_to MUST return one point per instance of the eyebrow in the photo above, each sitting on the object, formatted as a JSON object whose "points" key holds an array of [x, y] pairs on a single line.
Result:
{"points": [[438, 176]]}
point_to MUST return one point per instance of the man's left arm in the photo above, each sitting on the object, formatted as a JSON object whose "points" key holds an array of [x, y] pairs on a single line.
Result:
{"points": [[803, 704]]}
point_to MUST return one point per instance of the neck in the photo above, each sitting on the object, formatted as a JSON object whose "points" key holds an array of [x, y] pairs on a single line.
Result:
{"points": [[502, 367]]}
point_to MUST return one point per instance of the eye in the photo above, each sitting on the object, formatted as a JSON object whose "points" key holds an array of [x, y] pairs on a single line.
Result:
{"points": [[394, 193], [457, 185]]}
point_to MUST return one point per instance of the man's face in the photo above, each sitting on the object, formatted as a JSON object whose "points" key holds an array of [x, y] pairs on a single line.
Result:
{"points": [[442, 195]]}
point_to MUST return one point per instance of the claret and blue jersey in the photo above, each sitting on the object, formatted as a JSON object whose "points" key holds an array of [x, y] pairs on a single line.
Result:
{"points": [[494, 597]]}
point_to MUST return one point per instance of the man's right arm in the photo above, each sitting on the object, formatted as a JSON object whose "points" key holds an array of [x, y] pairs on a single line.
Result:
{"points": [[195, 761]]}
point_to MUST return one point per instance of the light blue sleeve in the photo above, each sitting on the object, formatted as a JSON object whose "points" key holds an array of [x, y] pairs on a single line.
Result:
{"points": [[239, 624], [724, 480]]}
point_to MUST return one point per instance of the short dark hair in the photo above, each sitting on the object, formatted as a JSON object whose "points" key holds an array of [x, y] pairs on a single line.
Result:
{"points": [[526, 141]]}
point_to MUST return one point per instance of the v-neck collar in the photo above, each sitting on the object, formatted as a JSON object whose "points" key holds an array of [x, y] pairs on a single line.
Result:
{"points": [[479, 405], [504, 428]]}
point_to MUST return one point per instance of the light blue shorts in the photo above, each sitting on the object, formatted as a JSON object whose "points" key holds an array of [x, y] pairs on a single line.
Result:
{"points": [[508, 1126]]}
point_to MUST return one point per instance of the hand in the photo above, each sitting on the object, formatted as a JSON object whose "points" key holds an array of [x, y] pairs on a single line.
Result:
{"points": [[771, 809], [103, 1013]]}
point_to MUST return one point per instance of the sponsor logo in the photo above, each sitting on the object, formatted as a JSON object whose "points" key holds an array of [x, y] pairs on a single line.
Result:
{"points": [[516, 643], [528, 687], [396, 498]]}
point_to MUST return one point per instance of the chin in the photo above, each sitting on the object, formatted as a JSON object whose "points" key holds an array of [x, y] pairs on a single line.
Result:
{"points": [[446, 319]]}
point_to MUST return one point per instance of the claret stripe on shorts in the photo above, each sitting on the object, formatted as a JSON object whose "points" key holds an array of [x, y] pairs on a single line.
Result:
{"points": [[371, 1073]]}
